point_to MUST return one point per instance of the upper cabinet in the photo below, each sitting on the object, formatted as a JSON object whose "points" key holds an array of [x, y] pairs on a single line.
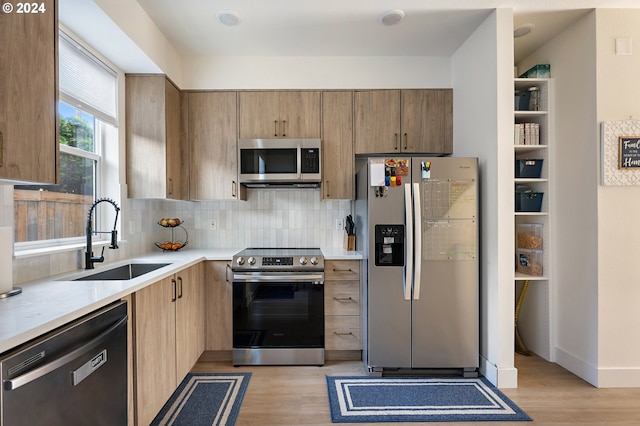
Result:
{"points": [[211, 132], [409, 121], [29, 95], [337, 145], [153, 137], [279, 114]]}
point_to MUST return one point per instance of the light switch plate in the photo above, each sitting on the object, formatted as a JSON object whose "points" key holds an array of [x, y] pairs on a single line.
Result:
{"points": [[623, 46]]}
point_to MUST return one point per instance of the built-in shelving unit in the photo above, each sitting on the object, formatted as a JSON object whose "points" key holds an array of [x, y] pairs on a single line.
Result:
{"points": [[535, 319]]}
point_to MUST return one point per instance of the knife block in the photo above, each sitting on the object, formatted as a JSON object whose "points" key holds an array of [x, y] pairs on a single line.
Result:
{"points": [[349, 242]]}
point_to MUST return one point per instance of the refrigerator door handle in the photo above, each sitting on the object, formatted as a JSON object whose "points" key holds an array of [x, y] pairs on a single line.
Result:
{"points": [[408, 271], [417, 228]]}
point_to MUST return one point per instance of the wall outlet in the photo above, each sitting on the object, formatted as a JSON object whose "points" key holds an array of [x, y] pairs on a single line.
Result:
{"points": [[339, 224], [213, 224]]}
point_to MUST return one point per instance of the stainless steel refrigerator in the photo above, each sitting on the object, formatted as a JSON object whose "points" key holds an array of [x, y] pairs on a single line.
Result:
{"points": [[417, 219]]}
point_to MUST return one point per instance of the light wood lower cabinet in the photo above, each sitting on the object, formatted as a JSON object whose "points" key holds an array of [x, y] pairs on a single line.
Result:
{"points": [[343, 328], [219, 312], [168, 338]]}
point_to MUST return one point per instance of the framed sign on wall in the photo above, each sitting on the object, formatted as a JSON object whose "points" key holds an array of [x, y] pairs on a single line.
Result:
{"points": [[629, 152], [620, 152]]}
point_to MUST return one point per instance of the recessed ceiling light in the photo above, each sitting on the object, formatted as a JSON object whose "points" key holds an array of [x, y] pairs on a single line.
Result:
{"points": [[391, 17], [228, 17], [523, 30]]}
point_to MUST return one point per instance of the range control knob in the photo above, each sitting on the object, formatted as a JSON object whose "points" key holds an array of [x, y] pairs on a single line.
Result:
{"points": [[252, 261], [314, 260], [303, 260], [240, 261]]}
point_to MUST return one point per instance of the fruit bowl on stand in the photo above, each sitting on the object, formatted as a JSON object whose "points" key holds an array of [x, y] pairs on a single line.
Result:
{"points": [[173, 245]]}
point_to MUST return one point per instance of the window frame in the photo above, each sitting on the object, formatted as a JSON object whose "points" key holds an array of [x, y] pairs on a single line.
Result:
{"points": [[100, 156]]}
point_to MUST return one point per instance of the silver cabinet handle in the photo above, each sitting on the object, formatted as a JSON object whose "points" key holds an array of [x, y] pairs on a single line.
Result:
{"points": [[54, 365]]}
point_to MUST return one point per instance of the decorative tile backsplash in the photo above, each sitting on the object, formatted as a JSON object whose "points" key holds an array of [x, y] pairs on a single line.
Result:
{"points": [[269, 218]]}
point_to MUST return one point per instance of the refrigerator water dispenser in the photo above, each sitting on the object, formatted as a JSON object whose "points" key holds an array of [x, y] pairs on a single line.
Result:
{"points": [[389, 245]]}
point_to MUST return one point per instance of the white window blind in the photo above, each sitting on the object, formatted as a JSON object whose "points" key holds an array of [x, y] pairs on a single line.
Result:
{"points": [[86, 81]]}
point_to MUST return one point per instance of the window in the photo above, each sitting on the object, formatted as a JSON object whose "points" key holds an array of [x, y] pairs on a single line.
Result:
{"points": [[47, 214]]}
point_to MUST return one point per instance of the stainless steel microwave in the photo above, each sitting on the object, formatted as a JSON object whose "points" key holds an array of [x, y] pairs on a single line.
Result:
{"points": [[279, 162]]}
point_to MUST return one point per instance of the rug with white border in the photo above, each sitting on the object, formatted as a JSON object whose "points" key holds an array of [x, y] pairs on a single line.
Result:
{"points": [[418, 399]]}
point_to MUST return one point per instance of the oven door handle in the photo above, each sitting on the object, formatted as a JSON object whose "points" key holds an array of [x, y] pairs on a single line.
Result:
{"points": [[278, 277]]}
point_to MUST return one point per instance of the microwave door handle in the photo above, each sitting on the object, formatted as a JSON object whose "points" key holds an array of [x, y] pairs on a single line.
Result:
{"points": [[299, 152]]}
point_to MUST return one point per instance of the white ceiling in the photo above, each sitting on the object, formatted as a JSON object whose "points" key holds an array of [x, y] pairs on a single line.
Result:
{"points": [[351, 27]]}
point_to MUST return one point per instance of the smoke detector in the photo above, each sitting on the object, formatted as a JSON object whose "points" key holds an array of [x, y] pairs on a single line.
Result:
{"points": [[391, 17], [229, 18]]}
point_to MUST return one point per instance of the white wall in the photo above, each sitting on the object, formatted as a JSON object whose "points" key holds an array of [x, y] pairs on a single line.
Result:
{"points": [[327, 72], [618, 91], [483, 128]]}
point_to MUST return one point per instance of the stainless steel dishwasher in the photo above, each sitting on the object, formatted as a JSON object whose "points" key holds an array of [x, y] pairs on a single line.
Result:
{"points": [[75, 375]]}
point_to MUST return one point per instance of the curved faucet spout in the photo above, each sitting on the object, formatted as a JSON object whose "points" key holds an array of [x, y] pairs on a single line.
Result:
{"points": [[90, 259]]}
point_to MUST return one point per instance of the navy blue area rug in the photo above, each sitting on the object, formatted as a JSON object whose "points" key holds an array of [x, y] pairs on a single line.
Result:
{"points": [[418, 399], [205, 399]]}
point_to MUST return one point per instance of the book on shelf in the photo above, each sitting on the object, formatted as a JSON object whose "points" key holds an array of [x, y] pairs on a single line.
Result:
{"points": [[526, 134]]}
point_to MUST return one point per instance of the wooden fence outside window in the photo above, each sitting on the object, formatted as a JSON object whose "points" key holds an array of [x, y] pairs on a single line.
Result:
{"points": [[43, 215]]}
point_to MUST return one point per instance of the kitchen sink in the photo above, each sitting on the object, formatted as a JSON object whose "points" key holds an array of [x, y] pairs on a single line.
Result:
{"points": [[124, 272]]}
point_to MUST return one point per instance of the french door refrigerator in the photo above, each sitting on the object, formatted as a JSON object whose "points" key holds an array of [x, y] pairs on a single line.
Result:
{"points": [[418, 222]]}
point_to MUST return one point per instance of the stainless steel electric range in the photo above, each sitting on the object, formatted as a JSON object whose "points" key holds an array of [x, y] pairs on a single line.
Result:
{"points": [[278, 307]]}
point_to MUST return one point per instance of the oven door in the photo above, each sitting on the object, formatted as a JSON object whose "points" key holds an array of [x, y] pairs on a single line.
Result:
{"points": [[278, 310]]}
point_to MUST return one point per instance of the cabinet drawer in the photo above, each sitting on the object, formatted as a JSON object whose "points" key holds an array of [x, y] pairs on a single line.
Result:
{"points": [[342, 297], [342, 270], [342, 332]]}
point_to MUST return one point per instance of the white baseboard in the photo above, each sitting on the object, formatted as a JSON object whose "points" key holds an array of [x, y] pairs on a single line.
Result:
{"points": [[504, 378]]}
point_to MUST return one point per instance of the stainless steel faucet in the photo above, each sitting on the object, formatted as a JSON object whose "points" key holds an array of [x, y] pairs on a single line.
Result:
{"points": [[89, 258]]}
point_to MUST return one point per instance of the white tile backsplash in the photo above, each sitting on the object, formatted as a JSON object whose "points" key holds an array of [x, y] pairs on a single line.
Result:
{"points": [[269, 218]]}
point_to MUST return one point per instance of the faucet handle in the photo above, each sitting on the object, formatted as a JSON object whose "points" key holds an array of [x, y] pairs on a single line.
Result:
{"points": [[114, 239]]}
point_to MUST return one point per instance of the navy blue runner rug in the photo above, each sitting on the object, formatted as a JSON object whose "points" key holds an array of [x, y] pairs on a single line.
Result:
{"points": [[205, 399], [418, 399]]}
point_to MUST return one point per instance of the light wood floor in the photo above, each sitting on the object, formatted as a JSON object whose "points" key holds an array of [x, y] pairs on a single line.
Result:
{"points": [[547, 392]]}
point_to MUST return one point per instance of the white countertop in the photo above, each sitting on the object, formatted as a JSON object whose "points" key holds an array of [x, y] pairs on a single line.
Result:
{"points": [[49, 303]]}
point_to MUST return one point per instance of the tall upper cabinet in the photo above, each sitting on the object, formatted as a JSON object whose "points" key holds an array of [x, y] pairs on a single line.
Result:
{"points": [[153, 137], [337, 145], [29, 94], [533, 245], [211, 132], [279, 114]]}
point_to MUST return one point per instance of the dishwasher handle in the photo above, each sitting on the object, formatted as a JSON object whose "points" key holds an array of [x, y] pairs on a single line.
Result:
{"points": [[26, 378]]}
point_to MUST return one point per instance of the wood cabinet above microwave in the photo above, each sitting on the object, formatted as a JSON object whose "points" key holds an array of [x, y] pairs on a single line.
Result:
{"points": [[279, 114], [408, 121]]}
